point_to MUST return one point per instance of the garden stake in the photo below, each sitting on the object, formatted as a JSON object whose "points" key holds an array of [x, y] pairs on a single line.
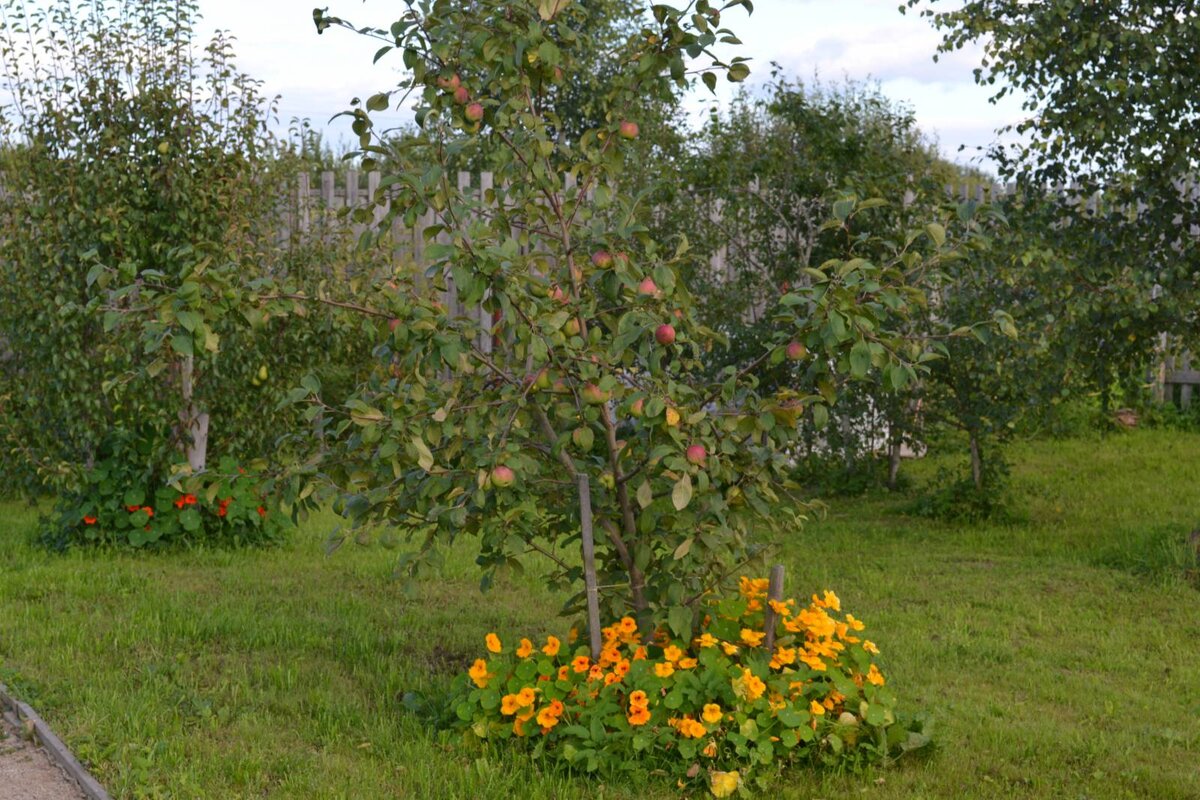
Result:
{"points": [[774, 592], [589, 565]]}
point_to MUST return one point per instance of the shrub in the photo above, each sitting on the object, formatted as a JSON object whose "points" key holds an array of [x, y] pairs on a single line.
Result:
{"points": [[715, 707], [125, 505]]}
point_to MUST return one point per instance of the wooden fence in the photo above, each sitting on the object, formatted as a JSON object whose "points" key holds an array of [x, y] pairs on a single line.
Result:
{"points": [[316, 204]]}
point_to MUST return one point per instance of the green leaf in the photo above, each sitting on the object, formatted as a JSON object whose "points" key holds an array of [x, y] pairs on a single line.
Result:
{"points": [[680, 621], [937, 233]]}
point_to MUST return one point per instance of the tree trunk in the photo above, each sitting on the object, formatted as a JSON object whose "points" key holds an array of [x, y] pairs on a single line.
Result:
{"points": [[194, 427], [976, 462], [893, 464]]}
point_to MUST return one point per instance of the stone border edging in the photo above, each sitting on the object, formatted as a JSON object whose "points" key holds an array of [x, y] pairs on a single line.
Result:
{"points": [[54, 747]]}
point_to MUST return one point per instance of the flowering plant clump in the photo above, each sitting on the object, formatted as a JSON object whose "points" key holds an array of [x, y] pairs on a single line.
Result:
{"points": [[121, 506], [712, 708]]}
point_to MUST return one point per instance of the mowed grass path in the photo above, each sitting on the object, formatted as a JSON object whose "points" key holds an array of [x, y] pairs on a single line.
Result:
{"points": [[1060, 657]]}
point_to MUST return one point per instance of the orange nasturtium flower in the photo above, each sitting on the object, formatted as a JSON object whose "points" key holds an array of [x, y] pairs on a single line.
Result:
{"points": [[816, 708], [596, 672], [525, 649], [552, 645], [672, 653], [712, 713], [638, 699], [581, 664], [710, 749], [875, 676], [525, 698], [479, 673], [870, 647], [692, 729], [509, 704], [752, 638], [628, 625], [707, 640], [730, 648], [564, 672], [664, 670], [687, 663], [621, 668], [493, 643], [638, 715], [547, 718]]}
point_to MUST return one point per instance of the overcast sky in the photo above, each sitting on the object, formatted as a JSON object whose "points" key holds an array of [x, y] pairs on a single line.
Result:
{"points": [[861, 39]]}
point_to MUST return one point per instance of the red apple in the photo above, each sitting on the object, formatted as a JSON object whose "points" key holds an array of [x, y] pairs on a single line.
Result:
{"points": [[648, 287], [638, 407], [542, 381], [502, 476], [696, 454], [462, 96], [628, 130], [665, 334], [450, 84], [602, 259], [796, 351], [558, 294], [474, 112], [393, 323], [593, 395]]}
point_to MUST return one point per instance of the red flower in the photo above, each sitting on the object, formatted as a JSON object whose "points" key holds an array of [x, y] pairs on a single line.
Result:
{"points": [[149, 511], [179, 503], [262, 512], [223, 506], [189, 499], [132, 509], [89, 520]]}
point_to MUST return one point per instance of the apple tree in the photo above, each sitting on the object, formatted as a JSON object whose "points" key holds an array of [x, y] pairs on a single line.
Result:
{"points": [[588, 357]]}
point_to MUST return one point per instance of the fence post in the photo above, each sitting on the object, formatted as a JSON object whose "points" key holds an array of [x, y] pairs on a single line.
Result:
{"points": [[589, 565], [774, 592]]}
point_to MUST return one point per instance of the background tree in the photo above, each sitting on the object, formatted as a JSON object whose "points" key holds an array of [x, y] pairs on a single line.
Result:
{"points": [[1111, 125]]}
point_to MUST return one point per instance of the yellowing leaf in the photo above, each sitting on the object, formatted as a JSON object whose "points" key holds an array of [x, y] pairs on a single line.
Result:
{"points": [[725, 784], [424, 457], [645, 495], [681, 495]]}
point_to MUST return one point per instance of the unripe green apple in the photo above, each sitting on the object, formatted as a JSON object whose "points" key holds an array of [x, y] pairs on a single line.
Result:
{"points": [[594, 395]]}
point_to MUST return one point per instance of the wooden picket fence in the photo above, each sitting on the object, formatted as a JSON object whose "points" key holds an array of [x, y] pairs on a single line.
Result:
{"points": [[316, 204]]}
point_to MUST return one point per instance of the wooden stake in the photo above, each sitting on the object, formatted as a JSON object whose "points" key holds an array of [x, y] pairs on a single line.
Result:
{"points": [[774, 592], [589, 565]]}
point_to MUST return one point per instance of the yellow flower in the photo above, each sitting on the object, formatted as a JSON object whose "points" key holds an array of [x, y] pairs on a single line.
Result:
{"points": [[752, 638], [493, 643], [854, 624], [479, 673], [816, 708], [572, 635], [552, 645], [672, 653], [547, 718], [724, 784], [664, 670], [748, 686], [687, 663], [870, 647], [707, 640], [525, 697], [753, 587], [638, 715], [581, 664], [509, 704], [712, 713], [875, 676], [831, 601], [525, 649], [672, 417], [729, 648]]}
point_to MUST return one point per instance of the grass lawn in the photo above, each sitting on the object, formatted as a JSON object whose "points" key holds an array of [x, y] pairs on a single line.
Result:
{"points": [[1059, 656]]}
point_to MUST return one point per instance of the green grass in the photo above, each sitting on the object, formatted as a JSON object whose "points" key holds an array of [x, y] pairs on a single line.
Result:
{"points": [[1060, 656]]}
